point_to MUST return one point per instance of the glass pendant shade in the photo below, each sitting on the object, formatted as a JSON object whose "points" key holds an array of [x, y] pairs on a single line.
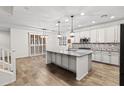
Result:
{"points": [[72, 32], [59, 35]]}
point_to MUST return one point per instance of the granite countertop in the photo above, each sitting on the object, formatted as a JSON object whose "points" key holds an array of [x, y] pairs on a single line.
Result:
{"points": [[73, 52]]}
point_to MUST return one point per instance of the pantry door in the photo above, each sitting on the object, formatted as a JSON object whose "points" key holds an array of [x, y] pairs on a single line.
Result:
{"points": [[37, 44]]}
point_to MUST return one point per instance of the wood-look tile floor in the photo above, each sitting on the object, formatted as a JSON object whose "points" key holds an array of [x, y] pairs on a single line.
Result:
{"points": [[34, 72]]}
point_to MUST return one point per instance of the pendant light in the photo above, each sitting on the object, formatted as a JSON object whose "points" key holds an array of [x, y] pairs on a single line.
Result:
{"points": [[72, 32], [59, 35], [44, 31]]}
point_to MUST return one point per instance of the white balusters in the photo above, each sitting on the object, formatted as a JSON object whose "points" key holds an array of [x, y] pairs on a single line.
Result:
{"points": [[3, 59], [5, 63]]}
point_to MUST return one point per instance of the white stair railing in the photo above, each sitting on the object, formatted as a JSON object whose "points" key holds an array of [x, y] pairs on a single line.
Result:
{"points": [[7, 61]]}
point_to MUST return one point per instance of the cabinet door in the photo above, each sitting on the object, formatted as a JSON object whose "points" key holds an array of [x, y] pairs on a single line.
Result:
{"points": [[115, 58], [118, 31], [72, 63], [58, 59], [53, 58], [65, 61], [93, 55], [93, 36], [98, 56], [105, 57], [49, 57], [109, 34], [101, 35]]}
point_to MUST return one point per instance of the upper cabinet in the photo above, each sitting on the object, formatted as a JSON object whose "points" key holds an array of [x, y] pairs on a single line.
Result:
{"points": [[112, 34], [93, 36], [117, 33], [85, 34], [109, 34], [101, 35]]}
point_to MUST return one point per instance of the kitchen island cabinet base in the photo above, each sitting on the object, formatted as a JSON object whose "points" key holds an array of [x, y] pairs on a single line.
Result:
{"points": [[77, 64]]}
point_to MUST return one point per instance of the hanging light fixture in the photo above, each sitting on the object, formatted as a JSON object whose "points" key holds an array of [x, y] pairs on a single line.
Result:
{"points": [[59, 34], [72, 32], [44, 31]]}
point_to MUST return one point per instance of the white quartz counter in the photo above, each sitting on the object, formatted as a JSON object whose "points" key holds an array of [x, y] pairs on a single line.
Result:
{"points": [[73, 52]]}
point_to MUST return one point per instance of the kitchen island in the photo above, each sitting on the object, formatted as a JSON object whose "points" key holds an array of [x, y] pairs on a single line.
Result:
{"points": [[75, 60]]}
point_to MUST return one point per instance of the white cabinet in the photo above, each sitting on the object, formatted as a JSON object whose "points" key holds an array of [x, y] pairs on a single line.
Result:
{"points": [[105, 57], [58, 59], [101, 35], [97, 56], [109, 34], [72, 63], [93, 55], [65, 61], [118, 34], [93, 36], [115, 58], [53, 58]]}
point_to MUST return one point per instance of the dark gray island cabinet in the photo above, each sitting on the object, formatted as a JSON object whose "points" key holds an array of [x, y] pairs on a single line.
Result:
{"points": [[77, 61]]}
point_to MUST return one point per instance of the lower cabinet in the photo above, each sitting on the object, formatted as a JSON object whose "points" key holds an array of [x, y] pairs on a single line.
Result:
{"points": [[115, 58], [98, 56], [58, 59], [72, 63], [106, 57], [65, 61], [53, 58]]}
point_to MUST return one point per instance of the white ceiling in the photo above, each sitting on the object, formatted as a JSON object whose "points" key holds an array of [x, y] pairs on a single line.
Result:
{"points": [[47, 16]]}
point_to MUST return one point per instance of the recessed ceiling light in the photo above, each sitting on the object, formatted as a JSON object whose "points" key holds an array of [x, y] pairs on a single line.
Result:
{"points": [[79, 25], [66, 20], [82, 14], [93, 22], [112, 17], [56, 24]]}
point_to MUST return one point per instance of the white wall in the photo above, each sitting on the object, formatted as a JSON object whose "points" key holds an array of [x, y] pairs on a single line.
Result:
{"points": [[52, 41], [5, 39], [19, 41]]}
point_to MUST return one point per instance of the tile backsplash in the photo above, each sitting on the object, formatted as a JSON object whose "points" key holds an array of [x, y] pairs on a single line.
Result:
{"points": [[112, 47]]}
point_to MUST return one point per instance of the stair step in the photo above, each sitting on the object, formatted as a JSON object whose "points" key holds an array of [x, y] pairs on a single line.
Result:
{"points": [[6, 77]]}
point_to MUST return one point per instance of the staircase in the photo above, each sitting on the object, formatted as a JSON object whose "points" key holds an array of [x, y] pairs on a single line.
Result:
{"points": [[7, 66]]}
